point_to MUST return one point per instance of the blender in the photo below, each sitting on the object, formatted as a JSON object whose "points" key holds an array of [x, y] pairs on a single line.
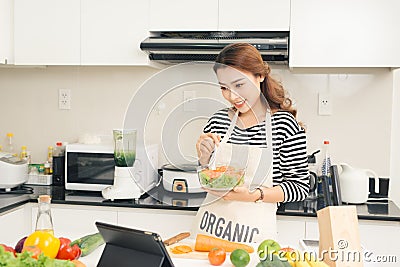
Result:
{"points": [[124, 186]]}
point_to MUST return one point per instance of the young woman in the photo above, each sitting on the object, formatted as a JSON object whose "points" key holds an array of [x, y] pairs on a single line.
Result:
{"points": [[261, 118]]}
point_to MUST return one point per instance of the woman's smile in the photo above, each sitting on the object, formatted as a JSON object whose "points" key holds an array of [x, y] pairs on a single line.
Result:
{"points": [[239, 104]]}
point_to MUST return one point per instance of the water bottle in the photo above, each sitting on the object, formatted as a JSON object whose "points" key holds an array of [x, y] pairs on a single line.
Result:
{"points": [[324, 174]]}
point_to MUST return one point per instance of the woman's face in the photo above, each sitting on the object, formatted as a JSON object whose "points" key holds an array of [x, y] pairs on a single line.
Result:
{"points": [[240, 88]]}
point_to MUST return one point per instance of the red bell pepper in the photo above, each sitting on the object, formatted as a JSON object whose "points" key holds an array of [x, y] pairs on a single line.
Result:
{"points": [[67, 252]]}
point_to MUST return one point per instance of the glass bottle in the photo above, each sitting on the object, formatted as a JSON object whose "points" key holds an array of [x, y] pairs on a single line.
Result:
{"points": [[44, 221], [10, 147], [23, 155], [50, 158]]}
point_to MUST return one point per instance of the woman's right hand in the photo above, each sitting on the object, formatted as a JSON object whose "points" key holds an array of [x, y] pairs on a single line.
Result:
{"points": [[205, 146]]}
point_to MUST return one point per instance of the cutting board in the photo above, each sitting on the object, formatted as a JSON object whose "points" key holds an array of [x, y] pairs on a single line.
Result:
{"points": [[196, 255]]}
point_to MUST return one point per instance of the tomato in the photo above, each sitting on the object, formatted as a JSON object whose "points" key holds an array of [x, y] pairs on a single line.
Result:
{"points": [[240, 258], [48, 243], [216, 256], [67, 252], [34, 250], [287, 249], [7, 248], [289, 254]]}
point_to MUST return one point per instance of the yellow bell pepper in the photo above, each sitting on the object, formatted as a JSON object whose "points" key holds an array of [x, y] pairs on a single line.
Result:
{"points": [[48, 243]]}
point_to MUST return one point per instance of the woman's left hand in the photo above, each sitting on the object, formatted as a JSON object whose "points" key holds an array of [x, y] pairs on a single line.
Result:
{"points": [[238, 193]]}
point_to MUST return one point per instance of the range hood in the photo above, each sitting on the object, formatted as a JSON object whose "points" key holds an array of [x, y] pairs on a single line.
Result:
{"points": [[178, 47]]}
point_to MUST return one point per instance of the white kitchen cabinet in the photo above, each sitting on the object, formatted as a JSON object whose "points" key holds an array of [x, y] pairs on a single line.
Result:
{"points": [[166, 223], [221, 15], [6, 32], [290, 230], [183, 15], [112, 30], [381, 238], [47, 32], [341, 33], [254, 15], [312, 231], [14, 225], [74, 221], [375, 237]]}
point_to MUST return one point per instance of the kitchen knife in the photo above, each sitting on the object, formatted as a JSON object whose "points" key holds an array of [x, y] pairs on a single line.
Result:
{"points": [[176, 238]]}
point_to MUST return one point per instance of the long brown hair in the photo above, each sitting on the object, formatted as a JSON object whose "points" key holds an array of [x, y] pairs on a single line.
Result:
{"points": [[244, 56]]}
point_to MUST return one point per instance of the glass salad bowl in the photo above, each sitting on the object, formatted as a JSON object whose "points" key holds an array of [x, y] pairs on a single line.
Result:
{"points": [[222, 178]]}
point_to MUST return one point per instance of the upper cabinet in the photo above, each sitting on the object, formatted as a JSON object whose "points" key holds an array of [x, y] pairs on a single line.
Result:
{"points": [[183, 15], [254, 15], [80, 32], [111, 32], [219, 15], [6, 32], [47, 32], [341, 33]]}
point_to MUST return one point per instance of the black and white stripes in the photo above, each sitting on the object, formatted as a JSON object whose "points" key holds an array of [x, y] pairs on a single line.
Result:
{"points": [[290, 167]]}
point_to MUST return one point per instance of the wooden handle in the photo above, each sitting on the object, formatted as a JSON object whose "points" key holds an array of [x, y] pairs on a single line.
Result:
{"points": [[176, 238]]}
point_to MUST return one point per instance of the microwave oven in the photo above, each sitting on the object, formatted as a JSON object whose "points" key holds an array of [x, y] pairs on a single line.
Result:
{"points": [[90, 167]]}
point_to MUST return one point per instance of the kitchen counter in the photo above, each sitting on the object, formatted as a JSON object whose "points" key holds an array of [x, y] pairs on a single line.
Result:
{"points": [[158, 198]]}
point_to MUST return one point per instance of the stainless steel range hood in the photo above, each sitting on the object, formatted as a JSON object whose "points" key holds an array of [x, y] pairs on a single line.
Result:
{"points": [[177, 47]]}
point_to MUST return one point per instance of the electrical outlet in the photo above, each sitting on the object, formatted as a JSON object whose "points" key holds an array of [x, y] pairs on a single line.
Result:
{"points": [[64, 99], [324, 104], [189, 103]]}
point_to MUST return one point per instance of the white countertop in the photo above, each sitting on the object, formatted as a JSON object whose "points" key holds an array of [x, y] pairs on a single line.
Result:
{"points": [[92, 260]]}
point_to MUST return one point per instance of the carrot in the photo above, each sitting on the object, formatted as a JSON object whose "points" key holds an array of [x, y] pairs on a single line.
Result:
{"points": [[78, 263], [207, 243], [181, 249]]}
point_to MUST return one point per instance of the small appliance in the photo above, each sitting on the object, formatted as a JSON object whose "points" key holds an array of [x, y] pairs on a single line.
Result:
{"points": [[176, 47], [13, 171], [354, 184], [91, 167], [181, 179], [129, 182]]}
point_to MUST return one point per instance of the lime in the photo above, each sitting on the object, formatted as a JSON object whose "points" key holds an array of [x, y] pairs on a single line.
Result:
{"points": [[240, 258]]}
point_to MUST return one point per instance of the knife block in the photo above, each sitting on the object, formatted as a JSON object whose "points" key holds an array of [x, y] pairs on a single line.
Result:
{"points": [[339, 238]]}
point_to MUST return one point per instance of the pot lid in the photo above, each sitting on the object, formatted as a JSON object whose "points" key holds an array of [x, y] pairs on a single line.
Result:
{"points": [[180, 167]]}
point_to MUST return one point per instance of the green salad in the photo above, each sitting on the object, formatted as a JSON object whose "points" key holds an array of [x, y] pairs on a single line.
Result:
{"points": [[223, 177], [24, 259]]}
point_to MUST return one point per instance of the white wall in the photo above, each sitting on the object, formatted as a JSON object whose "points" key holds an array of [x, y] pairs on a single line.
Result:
{"points": [[359, 128], [394, 188]]}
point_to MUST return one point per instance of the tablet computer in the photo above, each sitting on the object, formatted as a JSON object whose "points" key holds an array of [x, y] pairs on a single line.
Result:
{"points": [[132, 247]]}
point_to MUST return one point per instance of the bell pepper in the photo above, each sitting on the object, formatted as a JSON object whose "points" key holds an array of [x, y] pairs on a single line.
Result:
{"points": [[66, 251], [48, 243]]}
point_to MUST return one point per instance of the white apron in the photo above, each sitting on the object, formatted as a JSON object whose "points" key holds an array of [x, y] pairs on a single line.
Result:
{"points": [[240, 221]]}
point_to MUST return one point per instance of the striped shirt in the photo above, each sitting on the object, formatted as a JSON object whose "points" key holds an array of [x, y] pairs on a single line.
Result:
{"points": [[290, 165]]}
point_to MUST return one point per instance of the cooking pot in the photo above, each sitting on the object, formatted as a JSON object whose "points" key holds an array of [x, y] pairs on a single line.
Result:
{"points": [[181, 179], [354, 184]]}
